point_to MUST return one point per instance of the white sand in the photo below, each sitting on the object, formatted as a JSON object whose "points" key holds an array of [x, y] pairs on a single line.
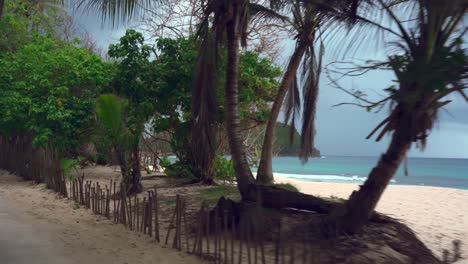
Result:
{"points": [[437, 215], [75, 234]]}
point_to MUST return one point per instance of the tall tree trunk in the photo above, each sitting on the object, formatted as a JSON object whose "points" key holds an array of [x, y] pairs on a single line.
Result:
{"points": [[243, 174], [131, 174], [265, 169], [359, 208], [125, 170], [135, 184]]}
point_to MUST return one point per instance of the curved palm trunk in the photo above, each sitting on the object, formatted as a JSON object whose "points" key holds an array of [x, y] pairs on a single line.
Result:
{"points": [[243, 174], [361, 204], [265, 169]]}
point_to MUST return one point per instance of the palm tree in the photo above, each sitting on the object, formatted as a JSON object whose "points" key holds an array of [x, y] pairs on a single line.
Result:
{"points": [[110, 114], [429, 63], [228, 28], [306, 20], [310, 20]]}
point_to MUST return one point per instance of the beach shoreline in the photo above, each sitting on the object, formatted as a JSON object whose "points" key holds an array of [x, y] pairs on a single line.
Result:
{"points": [[438, 215]]}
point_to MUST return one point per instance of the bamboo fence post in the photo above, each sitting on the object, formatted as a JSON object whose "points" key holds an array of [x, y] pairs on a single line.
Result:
{"points": [[138, 215], [108, 191], [218, 236], [70, 193], [156, 214], [135, 213], [186, 231], [225, 233], [123, 213], [92, 199], [198, 239], [304, 250], [248, 230], [171, 224], [81, 191], [115, 198], [97, 197], [262, 249], [179, 223], [282, 245], [145, 213], [130, 214], [176, 225], [150, 215], [233, 233], [117, 210], [277, 250], [241, 238], [207, 226]]}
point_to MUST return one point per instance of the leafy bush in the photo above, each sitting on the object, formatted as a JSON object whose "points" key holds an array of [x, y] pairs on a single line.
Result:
{"points": [[165, 162], [180, 170], [224, 169], [67, 166]]}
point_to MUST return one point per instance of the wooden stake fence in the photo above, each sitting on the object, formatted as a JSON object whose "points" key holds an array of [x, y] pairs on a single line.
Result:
{"points": [[218, 235], [41, 165]]}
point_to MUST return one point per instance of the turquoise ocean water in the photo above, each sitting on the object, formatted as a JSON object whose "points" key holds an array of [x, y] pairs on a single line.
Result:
{"points": [[452, 173]]}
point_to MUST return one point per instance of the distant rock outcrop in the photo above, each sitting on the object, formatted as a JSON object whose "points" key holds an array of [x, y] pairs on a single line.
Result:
{"points": [[282, 146]]}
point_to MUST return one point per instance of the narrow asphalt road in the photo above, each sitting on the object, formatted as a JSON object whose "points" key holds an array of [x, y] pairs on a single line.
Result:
{"points": [[21, 242]]}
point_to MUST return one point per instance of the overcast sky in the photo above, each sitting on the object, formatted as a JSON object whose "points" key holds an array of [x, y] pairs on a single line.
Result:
{"points": [[342, 130]]}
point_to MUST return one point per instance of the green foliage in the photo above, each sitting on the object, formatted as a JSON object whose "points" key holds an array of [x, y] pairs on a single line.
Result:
{"points": [[173, 72], [180, 169], [48, 90], [109, 111], [133, 79], [165, 162], [224, 169], [258, 86], [67, 166], [22, 21]]}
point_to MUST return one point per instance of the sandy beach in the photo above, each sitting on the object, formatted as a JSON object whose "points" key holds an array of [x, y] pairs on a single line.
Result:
{"points": [[43, 228], [437, 215]]}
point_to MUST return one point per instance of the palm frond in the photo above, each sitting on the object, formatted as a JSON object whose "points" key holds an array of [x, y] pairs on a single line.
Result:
{"points": [[109, 112], [292, 105], [311, 74], [117, 10], [262, 12]]}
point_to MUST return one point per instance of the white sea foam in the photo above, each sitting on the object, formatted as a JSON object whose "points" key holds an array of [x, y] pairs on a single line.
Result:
{"points": [[324, 178]]}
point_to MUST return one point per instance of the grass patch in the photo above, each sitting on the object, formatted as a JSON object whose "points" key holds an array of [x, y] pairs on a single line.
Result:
{"points": [[286, 186], [212, 195], [333, 198]]}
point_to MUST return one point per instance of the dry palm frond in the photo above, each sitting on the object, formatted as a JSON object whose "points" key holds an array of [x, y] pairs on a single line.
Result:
{"points": [[311, 75]]}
